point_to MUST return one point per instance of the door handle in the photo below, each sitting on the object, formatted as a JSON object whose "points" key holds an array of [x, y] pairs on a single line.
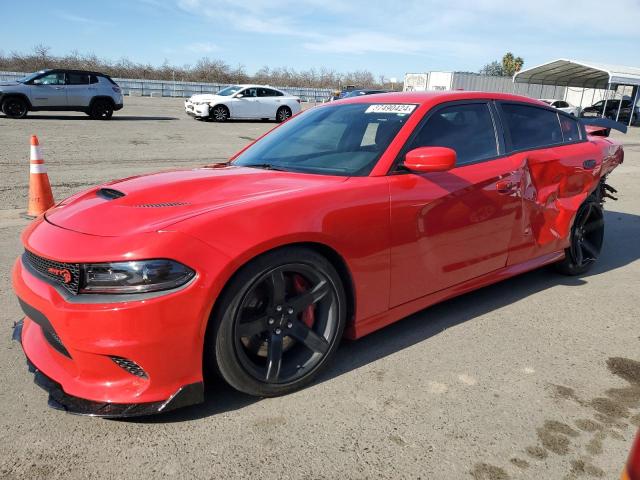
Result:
{"points": [[57, 88], [506, 186]]}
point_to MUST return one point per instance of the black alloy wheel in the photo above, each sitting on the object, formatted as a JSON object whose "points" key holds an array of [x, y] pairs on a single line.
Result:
{"points": [[101, 110], [14, 107], [279, 322], [283, 114], [587, 238]]}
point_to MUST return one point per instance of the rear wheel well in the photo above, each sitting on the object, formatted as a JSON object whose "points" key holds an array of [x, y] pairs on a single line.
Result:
{"points": [[95, 99]]}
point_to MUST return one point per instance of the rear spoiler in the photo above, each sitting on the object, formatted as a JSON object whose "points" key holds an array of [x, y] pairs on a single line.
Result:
{"points": [[602, 126]]}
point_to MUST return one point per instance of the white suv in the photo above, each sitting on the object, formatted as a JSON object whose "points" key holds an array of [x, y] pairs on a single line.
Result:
{"points": [[243, 101], [93, 93]]}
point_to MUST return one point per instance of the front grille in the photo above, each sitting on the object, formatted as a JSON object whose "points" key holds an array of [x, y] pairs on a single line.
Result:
{"points": [[65, 274], [130, 366]]}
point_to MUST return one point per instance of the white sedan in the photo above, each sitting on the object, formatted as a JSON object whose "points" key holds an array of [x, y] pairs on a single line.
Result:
{"points": [[562, 105], [245, 102]]}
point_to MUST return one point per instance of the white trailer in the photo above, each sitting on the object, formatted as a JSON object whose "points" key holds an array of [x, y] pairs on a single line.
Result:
{"points": [[416, 82]]}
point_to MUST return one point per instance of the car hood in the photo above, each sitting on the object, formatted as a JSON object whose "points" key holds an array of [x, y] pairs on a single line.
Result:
{"points": [[207, 97], [9, 84], [153, 202]]}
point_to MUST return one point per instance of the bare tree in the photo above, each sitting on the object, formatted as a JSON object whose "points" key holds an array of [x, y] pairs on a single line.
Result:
{"points": [[205, 70]]}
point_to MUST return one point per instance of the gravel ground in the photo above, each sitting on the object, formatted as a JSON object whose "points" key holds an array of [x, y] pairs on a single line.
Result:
{"points": [[536, 377]]}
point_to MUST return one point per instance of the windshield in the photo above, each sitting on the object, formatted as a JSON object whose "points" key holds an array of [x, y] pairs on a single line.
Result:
{"points": [[342, 140], [30, 77], [225, 92]]}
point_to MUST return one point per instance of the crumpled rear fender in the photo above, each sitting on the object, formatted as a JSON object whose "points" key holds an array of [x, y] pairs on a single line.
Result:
{"points": [[556, 181]]}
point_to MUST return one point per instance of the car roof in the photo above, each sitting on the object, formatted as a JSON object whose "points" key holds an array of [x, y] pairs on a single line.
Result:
{"points": [[433, 97], [255, 85], [71, 70]]}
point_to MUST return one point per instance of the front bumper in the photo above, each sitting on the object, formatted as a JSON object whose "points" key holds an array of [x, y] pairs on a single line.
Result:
{"points": [[90, 346], [59, 400], [196, 111]]}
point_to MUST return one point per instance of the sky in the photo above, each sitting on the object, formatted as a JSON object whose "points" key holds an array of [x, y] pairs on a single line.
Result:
{"points": [[388, 38]]}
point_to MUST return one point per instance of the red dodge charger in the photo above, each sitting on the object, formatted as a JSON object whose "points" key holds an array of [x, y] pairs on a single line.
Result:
{"points": [[344, 219]]}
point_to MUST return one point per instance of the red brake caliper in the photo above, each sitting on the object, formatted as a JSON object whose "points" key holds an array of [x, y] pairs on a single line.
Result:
{"points": [[300, 285]]}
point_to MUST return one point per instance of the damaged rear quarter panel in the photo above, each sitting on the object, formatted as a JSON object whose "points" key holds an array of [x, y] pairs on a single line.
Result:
{"points": [[554, 183]]}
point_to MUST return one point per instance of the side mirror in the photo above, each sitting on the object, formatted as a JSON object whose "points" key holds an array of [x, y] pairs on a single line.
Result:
{"points": [[430, 159], [239, 95]]}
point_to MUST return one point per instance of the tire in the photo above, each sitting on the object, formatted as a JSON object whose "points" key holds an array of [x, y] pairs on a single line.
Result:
{"points": [[278, 323], [15, 107], [219, 113], [283, 114], [101, 109], [587, 238]]}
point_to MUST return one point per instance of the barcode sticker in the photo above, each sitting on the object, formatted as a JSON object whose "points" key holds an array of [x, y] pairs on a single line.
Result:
{"points": [[391, 108]]}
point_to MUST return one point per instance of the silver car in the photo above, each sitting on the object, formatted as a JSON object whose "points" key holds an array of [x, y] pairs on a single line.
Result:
{"points": [[93, 93]]}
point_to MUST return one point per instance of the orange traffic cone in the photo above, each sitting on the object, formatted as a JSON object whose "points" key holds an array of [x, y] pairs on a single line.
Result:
{"points": [[40, 195]]}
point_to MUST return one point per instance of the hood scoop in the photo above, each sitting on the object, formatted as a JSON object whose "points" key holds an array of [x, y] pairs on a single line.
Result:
{"points": [[109, 193]]}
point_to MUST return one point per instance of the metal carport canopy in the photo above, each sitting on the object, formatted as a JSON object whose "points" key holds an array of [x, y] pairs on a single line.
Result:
{"points": [[575, 73]]}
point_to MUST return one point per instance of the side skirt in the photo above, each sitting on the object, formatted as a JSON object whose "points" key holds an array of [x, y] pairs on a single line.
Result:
{"points": [[371, 324]]}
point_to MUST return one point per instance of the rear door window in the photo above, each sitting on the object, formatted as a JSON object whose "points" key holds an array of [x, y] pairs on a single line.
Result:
{"points": [[268, 92], [531, 127], [467, 129], [570, 129], [77, 79]]}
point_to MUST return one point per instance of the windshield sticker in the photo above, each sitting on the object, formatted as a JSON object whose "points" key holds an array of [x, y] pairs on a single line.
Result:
{"points": [[401, 108]]}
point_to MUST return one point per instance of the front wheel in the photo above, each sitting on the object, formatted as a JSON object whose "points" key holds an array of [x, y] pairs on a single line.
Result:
{"points": [[14, 107], [278, 323], [219, 113], [587, 237]]}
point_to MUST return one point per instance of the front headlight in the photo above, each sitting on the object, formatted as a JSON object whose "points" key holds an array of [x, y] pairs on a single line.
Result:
{"points": [[134, 277]]}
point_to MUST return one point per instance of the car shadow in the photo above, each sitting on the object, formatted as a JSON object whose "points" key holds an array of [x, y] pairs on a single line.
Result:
{"points": [[115, 118], [621, 248]]}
